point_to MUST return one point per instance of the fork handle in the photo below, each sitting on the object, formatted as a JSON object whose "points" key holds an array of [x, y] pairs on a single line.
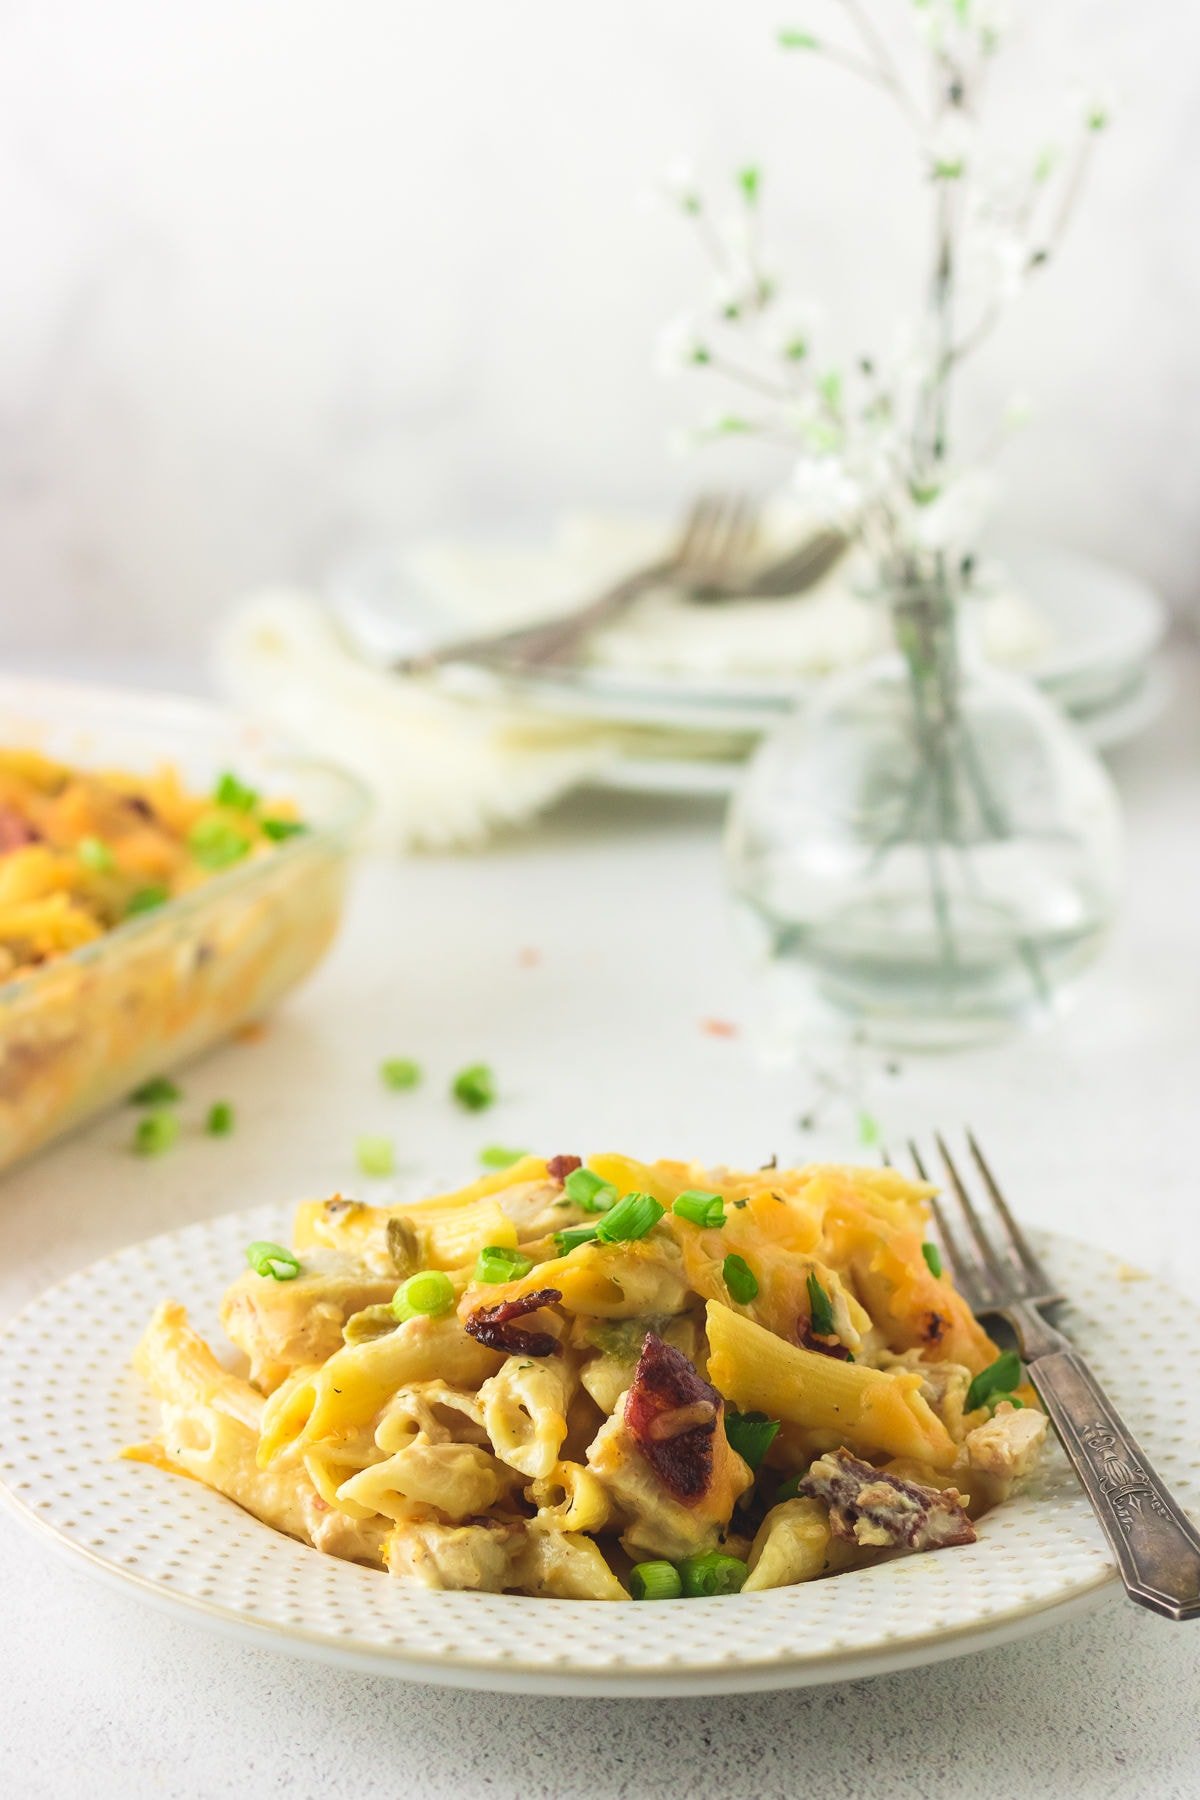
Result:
{"points": [[1156, 1545], [522, 644]]}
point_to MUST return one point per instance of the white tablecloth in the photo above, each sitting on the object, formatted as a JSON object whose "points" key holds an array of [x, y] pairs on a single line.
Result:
{"points": [[582, 960]]}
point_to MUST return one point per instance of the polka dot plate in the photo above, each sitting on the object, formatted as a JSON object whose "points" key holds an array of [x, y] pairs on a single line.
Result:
{"points": [[69, 1401]]}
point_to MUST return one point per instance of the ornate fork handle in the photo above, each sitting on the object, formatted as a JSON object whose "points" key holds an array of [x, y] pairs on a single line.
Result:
{"points": [[1156, 1545]]}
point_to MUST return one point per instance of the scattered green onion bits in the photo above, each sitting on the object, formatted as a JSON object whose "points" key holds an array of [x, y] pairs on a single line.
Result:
{"points": [[655, 1581], [279, 830], [95, 854], [998, 1379], [270, 1259], [632, 1217], [496, 1263], [788, 1490], [751, 1434], [155, 1133], [220, 1119], [498, 1156], [376, 1155], [700, 1208], [427, 1295], [820, 1308], [933, 1258], [145, 900], [574, 1236], [474, 1087], [740, 1279], [400, 1073], [589, 1190], [158, 1091], [711, 1573], [233, 793], [215, 844]]}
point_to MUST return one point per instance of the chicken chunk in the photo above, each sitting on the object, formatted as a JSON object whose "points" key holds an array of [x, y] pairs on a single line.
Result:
{"points": [[478, 1557], [281, 1324], [1007, 1444]]}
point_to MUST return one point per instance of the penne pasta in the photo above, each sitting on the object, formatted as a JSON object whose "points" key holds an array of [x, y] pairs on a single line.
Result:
{"points": [[535, 1381]]}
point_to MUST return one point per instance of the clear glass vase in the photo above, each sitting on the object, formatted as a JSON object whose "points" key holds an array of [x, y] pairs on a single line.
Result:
{"points": [[928, 852]]}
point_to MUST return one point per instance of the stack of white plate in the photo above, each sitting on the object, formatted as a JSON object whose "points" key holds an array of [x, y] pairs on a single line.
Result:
{"points": [[690, 688]]}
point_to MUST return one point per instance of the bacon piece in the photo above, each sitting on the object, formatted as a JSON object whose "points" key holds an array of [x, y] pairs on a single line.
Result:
{"points": [[808, 1339], [672, 1414], [869, 1507], [559, 1167], [15, 830], [492, 1325]]}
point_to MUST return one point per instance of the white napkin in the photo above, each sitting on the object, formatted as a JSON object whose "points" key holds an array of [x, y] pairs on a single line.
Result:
{"points": [[446, 772]]}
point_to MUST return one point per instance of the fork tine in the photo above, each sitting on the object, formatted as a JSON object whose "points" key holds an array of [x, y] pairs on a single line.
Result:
{"points": [[965, 1269], [1001, 1277], [1016, 1237]]}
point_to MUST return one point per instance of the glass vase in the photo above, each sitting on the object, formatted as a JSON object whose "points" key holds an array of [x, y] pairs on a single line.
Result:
{"points": [[928, 852]]}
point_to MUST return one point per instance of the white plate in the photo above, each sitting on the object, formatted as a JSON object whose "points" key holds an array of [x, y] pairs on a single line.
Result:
{"points": [[69, 1401], [715, 777], [1101, 623]]}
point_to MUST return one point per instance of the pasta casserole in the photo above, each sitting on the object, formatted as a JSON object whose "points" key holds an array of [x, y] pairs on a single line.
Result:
{"points": [[604, 1380], [143, 917]]}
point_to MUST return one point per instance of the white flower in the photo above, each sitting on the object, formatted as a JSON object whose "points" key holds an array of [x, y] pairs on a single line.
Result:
{"points": [[951, 145], [953, 520], [680, 184], [827, 489], [999, 260], [788, 331], [683, 344]]}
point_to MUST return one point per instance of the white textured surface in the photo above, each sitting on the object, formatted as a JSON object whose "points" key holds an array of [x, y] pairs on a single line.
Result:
{"points": [[292, 273], [599, 1043]]}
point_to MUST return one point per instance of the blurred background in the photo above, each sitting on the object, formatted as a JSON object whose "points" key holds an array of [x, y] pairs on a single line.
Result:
{"points": [[284, 277]]}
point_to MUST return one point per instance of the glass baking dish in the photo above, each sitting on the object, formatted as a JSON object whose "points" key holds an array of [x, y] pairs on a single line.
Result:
{"points": [[83, 1029]]}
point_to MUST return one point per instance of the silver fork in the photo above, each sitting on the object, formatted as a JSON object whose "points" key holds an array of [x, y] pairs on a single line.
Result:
{"points": [[1156, 1545], [711, 556]]}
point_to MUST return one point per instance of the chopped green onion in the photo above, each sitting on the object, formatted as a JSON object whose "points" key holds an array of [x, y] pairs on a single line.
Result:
{"points": [[497, 1156], [376, 1155], [655, 1581], [497, 1263], [220, 1119], [589, 1190], [1014, 1400], [788, 1490], [632, 1217], [158, 1091], [700, 1208], [751, 1434], [820, 1308], [868, 1129], [998, 1378], [95, 854], [215, 844], [711, 1573], [145, 900], [155, 1133], [400, 1072], [272, 1259], [571, 1239], [231, 792], [278, 830], [740, 1279], [933, 1258], [429, 1295], [474, 1087]]}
